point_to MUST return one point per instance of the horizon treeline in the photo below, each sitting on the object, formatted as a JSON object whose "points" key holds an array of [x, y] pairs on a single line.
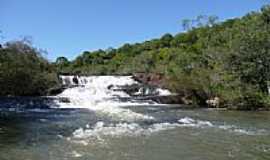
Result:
{"points": [[229, 59]]}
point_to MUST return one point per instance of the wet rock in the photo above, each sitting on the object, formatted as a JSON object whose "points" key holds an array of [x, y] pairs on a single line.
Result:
{"points": [[75, 80], [55, 91], [64, 100], [171, 99], [110, 87], [129, 89]]}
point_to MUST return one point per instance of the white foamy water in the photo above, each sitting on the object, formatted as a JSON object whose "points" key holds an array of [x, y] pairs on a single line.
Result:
{"points": [[121, 129], [93, 93], [101, 94], [189, 122], [100, 129]]}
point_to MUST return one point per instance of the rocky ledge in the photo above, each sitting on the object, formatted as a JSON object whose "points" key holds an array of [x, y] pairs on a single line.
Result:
{"points": [[187, 98]]}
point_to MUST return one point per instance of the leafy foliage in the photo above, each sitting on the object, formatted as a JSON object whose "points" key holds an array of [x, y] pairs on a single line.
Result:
{"points": [[23, 70], [229, 60]]}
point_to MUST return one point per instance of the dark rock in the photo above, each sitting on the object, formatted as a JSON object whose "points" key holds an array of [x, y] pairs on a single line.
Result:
{"points": [[129, 89], [110, 87], [55, 91], [64, 100], [171, 99], [75, 80]]}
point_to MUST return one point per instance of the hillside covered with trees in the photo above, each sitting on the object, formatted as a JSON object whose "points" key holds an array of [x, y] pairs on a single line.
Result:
{"points": [[229, 60]]}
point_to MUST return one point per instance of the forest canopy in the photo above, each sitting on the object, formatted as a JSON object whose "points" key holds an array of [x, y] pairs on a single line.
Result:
{"points": [[229, 59]]}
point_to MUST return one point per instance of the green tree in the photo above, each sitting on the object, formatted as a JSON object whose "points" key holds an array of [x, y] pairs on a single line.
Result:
{"points": [[24, 71], [62, 61]]}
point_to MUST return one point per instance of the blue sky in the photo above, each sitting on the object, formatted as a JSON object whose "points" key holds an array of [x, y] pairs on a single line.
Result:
{"points": [[68, 27]]}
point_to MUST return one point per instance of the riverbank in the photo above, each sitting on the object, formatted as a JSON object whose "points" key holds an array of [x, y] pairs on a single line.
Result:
{"points": [[195, 98]]}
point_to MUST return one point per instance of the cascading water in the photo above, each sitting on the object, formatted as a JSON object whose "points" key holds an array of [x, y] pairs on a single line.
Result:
{"points": [[95, 93], [103, 94]]}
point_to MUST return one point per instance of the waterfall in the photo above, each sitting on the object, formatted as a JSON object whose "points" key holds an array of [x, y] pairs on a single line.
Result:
{"points": [[96, 93], [103, 95]]}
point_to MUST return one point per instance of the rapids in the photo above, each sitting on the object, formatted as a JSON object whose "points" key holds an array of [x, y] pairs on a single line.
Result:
{"points": [[94, 93], [101, 121]]}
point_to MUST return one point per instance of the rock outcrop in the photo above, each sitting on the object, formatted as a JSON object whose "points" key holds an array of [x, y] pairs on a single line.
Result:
{"points": [[152, 79]]}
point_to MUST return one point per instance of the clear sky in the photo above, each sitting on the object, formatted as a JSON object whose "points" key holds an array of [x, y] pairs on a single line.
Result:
{"points": [[68, 27]]}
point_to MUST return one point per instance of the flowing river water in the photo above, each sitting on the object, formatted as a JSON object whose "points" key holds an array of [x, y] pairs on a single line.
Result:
{"points": [[97, 124]]}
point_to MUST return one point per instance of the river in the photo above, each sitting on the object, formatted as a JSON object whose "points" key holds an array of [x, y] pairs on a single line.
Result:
{"points": [[97, 124]]}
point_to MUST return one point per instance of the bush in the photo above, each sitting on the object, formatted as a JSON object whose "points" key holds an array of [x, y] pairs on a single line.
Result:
{"points": [[23, 71]]}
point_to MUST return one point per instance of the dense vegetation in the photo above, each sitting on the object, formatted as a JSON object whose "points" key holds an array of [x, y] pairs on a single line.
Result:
{"points": [[23, 70], [230, 60]]}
